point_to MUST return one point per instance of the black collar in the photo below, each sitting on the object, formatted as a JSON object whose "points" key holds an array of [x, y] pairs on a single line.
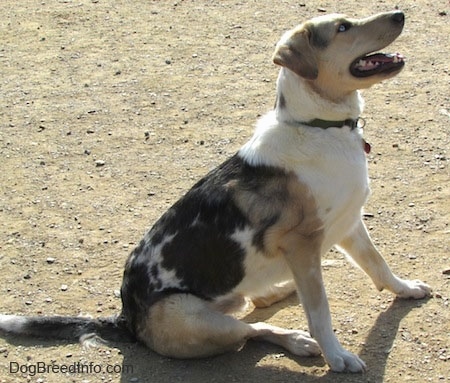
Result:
{"points": [[325, 124]]}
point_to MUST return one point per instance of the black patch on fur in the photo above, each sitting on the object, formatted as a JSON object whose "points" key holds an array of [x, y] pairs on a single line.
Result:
{"points": [[258, 238], [204, 256], [280, 102], [316, 39], [137, 287]]}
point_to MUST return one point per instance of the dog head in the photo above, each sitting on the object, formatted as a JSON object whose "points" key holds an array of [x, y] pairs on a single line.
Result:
{"points": [[335, 53]]}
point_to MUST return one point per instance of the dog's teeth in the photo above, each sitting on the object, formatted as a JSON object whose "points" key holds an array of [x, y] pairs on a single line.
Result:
{"points": [[368, 65], [395, 60]]}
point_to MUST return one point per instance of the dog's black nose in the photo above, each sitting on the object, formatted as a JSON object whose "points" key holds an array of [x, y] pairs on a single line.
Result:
{"points": [[398, 17]]}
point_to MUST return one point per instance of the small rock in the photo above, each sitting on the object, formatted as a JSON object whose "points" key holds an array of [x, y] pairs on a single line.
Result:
{"points": [[99, 163], [446, 271], [50, 260], [28, 303], [64, 287], [168, 62]]}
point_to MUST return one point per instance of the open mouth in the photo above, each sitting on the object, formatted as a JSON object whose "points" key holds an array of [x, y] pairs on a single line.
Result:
{"points": [[377, 63]]}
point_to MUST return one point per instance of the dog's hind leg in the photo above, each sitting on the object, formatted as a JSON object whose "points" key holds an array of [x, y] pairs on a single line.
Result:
{"points": [[185, 326], [276, 294]]}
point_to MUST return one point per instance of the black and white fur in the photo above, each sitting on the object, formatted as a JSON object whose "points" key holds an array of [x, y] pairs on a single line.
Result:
{"points": [[255, 228]]}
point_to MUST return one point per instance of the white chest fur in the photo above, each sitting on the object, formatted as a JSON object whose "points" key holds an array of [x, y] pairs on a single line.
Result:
{"points": [[331, 162]]}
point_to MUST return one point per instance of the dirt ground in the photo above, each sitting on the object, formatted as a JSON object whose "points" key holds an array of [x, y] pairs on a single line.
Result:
{"points": [[110, 110]]}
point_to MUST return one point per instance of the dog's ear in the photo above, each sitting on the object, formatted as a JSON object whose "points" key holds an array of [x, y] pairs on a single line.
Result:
{"points": [[296, 54]]}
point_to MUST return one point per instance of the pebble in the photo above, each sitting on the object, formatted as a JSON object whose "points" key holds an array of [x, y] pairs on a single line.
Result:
{"points": [[64, 287], [50, 260], [99, 163]]}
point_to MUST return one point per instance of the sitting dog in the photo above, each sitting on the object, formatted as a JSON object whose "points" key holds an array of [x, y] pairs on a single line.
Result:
{"points": [[255, 228]]}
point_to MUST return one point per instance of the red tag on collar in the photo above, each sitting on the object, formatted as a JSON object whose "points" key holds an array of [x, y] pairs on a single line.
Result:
{"points": [[366, 146]]}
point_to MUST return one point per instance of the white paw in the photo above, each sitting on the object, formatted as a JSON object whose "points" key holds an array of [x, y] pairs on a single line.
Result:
{"points": [[413, 289], [300, 343], [344, 360]]}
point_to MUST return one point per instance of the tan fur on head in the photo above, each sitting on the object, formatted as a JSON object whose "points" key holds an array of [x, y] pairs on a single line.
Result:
{"points": [[296, 54], [319, 52]]}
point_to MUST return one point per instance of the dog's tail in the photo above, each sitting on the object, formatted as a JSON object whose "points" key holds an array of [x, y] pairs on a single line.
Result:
{"points": [[88, 331]]}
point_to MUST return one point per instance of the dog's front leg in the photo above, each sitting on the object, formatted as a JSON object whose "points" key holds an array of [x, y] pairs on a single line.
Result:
{"points": [[359, 247], [306, 268]]}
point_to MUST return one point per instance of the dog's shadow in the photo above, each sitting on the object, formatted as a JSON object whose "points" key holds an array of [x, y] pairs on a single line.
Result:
{"points": [[257, 361]]}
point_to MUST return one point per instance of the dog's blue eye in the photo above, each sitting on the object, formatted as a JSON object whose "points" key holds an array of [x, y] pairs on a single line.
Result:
{"points": [[344, 27]]}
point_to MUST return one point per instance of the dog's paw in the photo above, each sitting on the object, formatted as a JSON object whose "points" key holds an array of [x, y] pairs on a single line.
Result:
{"points": [[413, 289], [345, 361], [300, 343]]}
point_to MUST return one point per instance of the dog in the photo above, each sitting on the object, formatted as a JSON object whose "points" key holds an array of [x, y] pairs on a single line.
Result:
{"points": [[255, 228]]}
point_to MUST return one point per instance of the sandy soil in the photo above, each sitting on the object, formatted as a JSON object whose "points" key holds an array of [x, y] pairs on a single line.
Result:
{"points": [[110, 110]]}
